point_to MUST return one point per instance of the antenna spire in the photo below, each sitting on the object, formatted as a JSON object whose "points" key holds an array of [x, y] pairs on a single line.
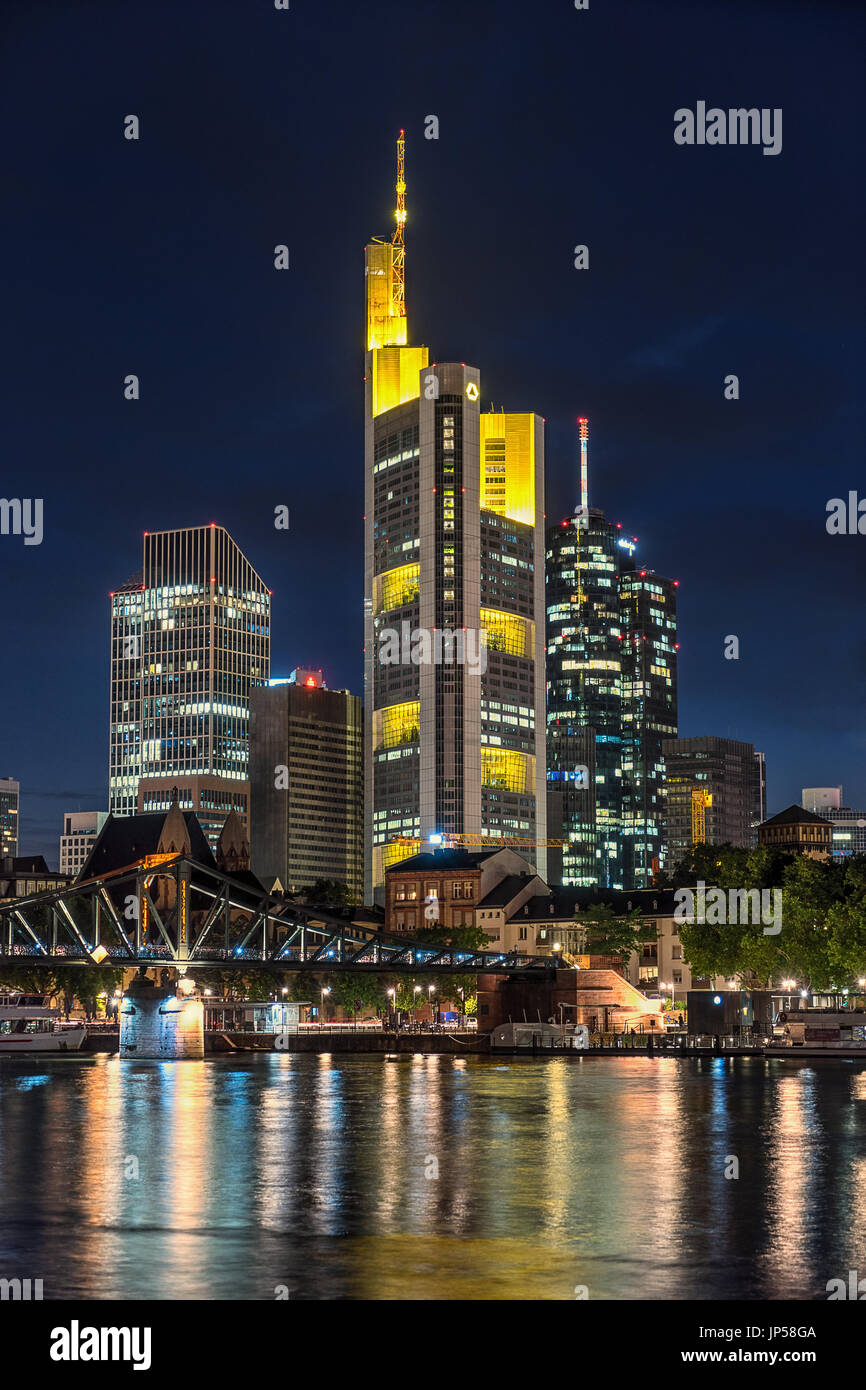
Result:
{"points": [[399, 283]]}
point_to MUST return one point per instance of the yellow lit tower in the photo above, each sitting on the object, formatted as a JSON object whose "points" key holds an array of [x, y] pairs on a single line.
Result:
{"points": [[454, 544]]}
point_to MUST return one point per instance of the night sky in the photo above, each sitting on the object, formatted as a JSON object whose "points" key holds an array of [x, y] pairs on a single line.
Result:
{"points": [[261, 127]]}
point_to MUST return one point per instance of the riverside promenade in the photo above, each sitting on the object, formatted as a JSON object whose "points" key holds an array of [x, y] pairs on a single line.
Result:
{"points": [[449, 1043]]}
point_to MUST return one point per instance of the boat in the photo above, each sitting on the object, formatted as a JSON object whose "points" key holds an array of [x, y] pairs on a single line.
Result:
{"points": [[819, 1033], [29, 1023]]}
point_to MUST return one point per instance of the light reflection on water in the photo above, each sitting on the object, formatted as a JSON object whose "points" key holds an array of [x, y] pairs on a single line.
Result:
{"points": [[312, 1172]]}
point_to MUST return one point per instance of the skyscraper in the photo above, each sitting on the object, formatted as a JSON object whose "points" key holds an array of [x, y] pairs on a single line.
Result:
{"points": [[612, 698], [80, 829], [648, 607], [729, 773], [10, 797], [190, 637], [306, 784], [454, 596]]}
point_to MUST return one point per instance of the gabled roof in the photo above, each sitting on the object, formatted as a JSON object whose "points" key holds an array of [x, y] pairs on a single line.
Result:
{"points": [[796, 815], [29, 864], [502, 893], [125, 839]]}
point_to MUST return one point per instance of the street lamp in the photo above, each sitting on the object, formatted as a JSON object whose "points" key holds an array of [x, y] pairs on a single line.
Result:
{"points": [[430, 989], [392, 995], [415, 992], [326, 989]]}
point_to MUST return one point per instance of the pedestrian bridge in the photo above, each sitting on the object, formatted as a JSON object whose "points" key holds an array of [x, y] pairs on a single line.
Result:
{"points": [[169, 909]]}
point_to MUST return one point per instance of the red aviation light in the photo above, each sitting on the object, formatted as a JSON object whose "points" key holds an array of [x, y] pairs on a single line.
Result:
{"points": [[311, 680]]}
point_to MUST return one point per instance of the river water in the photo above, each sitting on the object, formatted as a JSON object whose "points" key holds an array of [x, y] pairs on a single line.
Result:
{"points": [[428, 1177]]}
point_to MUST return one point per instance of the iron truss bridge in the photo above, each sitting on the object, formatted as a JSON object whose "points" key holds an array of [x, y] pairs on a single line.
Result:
{"points": [[170, 910]]}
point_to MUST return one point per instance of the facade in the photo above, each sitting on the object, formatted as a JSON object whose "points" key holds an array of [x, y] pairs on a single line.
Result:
{"points": [[849, 825], [10, 798], [612, 700], [306, 784], [446, 888], [80, 829], [21, 877], [454, 595], [729, 773], [190, 638], [800, 831]]}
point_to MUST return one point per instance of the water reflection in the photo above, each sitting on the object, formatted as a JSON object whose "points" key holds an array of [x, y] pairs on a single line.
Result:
{"points": [[431, 1177]]}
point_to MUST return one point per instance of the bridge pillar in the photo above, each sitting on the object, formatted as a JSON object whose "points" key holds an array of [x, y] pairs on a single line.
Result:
{"points": [[161, 1022]]}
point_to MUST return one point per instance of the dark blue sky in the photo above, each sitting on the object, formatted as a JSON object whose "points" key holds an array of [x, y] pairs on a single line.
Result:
{"points": [[261, 127]]}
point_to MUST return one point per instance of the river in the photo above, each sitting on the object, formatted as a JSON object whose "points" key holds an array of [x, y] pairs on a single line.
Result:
{"points": [[432, 1177]]}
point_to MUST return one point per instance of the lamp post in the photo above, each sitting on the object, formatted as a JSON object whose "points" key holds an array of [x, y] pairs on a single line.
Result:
{"points": [[415, 992], [430, 989], [392, 995], [326, 989]]}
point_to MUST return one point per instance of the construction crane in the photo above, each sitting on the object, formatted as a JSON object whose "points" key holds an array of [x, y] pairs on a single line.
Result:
{"points": [[700, 801], [448, 841], [398, 306]]}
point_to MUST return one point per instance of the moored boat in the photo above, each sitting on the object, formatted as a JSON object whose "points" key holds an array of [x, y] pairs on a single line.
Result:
{"points": [[29, 1023], [819, 1033]]}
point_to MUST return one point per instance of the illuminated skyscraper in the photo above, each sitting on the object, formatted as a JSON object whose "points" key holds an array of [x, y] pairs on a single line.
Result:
{"points": [[611, 699], [454, 733], [10, 796], [190, 637]]}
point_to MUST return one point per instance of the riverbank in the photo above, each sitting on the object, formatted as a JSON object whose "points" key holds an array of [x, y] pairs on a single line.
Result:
{"points": [[443, 1044]]}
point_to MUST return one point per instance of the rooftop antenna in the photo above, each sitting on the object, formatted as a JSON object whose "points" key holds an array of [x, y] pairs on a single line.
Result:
{"points": [[397, 241]]}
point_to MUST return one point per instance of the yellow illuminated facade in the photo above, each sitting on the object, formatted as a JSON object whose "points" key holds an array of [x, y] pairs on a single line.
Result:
{"points": [[395, 375], [395, 851], [386, 313], [508, 770], [396, 725], [508, 465], [395, 588], [508, 632]]}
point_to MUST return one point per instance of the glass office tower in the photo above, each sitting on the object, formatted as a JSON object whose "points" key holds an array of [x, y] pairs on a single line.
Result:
{"points": [[190, 637]]}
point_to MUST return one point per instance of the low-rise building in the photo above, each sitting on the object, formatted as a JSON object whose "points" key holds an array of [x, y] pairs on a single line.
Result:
{"points": [[799, 831], [21, 877]]}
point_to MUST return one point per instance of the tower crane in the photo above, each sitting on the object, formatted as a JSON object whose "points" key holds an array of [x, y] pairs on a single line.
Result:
{"points": [[700, 801]]}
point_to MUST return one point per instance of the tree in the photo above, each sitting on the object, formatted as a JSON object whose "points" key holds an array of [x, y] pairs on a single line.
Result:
{"points": [[610, 935], [822, 942], [455, 938], [329, 892], [357, 992]]}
